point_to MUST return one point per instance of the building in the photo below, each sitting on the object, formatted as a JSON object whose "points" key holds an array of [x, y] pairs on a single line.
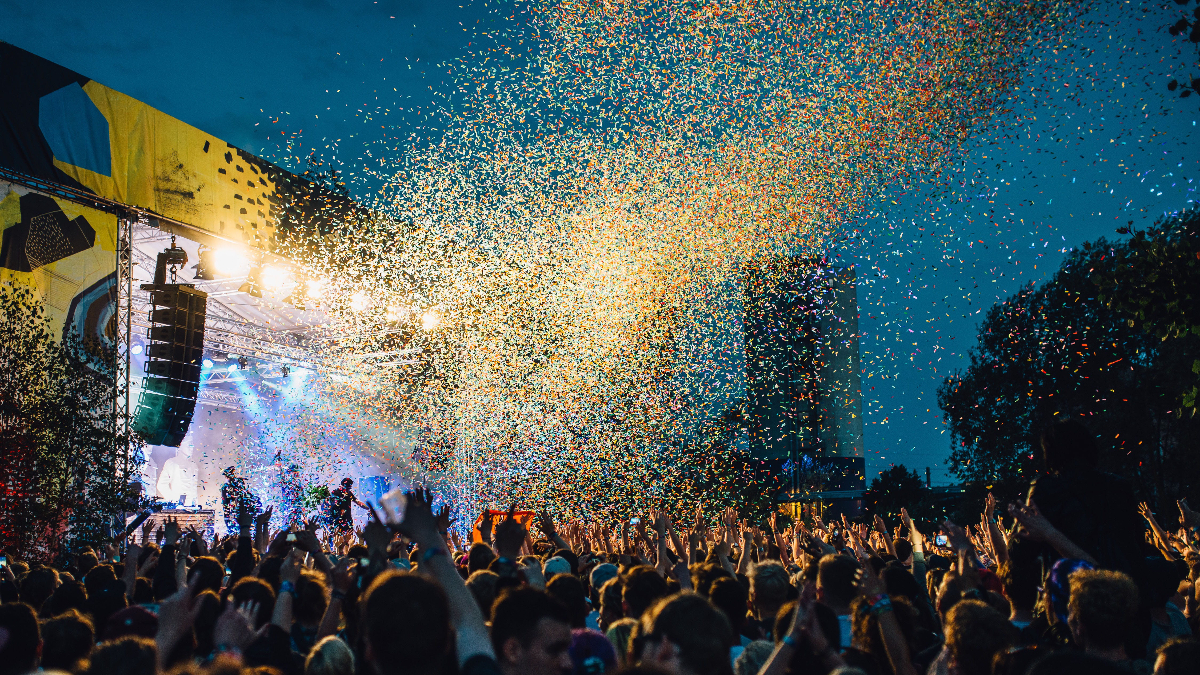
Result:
{"points": [[803, 397]]}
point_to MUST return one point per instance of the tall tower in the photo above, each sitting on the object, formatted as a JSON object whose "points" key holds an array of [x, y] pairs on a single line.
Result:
{"points": [[803, 396]]}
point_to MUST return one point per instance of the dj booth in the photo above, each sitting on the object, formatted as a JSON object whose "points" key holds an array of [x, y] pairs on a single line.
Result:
{"points": [[204, 520]]}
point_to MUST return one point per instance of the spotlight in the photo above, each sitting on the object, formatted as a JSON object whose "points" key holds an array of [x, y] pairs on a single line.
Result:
{"points": [[299, 293], [276, 279], [136, 349], [395, 313], [206, 364], [285, 371], [315, 289], [233, 368], [430, 320], [229, 261], [252, 287], [360, 301], [243, 363], [205, 269]]}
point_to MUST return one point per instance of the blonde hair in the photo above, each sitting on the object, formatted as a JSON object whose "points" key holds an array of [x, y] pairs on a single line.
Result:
{"points": [[330, 656]]}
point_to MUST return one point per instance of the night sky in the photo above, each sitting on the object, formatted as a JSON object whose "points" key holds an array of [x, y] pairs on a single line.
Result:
{"points": [[1093, 141]]}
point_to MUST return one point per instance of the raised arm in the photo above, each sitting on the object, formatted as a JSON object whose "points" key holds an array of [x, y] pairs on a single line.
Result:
{"points": [[1039, 528], [471, 634]]}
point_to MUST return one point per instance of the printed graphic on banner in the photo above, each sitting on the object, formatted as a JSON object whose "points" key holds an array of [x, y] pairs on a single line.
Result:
{"points": [[58, 125], [64, 252]]}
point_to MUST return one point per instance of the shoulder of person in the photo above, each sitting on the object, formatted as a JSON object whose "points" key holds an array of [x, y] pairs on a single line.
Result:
{"points": [[480, 664]]}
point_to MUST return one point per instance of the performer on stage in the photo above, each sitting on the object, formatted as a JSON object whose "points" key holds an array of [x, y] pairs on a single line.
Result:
{"points": [[338, 504], [235, 493]]}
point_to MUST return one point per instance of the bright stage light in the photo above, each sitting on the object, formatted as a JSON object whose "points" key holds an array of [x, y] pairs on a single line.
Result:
{"points": [[430, 320], [277, 279], [360, 301], [207, 363], [136, 349], [230, 261], [317, 288], [396, 313], [233, 368]]}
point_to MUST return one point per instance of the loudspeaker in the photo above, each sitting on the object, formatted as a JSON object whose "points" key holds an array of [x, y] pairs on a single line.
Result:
{"points": [[174, 354]]}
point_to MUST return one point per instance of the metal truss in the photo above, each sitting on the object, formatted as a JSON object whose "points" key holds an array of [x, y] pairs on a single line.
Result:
{"points": [[124, 335]]}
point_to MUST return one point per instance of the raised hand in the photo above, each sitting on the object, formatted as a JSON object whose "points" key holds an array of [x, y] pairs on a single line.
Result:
{"points": [[1187, 517], [510, 534], [443, 519], [265, 517], [234, 628], [176, 615], [546, 524]]}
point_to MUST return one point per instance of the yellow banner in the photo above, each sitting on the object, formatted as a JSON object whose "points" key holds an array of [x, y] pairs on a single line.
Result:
{"points": [[64, 252]]}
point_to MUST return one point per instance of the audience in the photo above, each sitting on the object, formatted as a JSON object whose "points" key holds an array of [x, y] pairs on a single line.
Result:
{"points": [[1055, 586]]}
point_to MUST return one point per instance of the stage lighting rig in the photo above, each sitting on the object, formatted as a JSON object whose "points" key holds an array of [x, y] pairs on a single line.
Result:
{"points": [[205, 269], [253, 285]]}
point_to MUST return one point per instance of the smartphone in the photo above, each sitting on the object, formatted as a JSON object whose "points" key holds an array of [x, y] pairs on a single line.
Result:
{"points": [[941, 540], [635, 521], [3, 561], [291, 536]]}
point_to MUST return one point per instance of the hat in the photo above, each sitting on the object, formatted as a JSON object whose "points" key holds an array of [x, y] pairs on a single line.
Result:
{"points": [[556, 565], [135, 620], [228, 471], [602, 573], [591, 652]]}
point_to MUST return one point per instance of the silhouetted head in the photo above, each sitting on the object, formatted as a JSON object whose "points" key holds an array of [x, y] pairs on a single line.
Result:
{"points": [[1066, 445]]}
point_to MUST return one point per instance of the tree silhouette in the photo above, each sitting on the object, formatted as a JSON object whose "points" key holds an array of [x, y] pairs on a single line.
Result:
{"points": [[64, 477], [1061, 349]]}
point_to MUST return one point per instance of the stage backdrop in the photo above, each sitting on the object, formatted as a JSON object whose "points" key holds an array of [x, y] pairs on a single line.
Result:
{"points": [[58, 125], [66, 254]]}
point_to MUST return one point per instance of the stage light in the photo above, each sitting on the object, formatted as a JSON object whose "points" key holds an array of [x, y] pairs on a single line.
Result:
{"points": [[316, 288], [395, 313], [252, 287], [229, 261], [206, 364], [360, 301], [233, 368], [430, 320], [136, 349], [276, 279], [206, 268]]}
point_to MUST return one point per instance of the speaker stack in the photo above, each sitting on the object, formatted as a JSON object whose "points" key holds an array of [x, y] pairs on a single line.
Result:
{"points": [[173, 357]]}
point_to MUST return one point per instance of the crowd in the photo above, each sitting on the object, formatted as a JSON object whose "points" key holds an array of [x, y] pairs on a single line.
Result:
{"points": [[1072, 581]]}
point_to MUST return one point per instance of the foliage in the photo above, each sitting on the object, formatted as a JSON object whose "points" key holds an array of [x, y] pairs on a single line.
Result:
{"points": [[1058, 349], [65, 475], [1154, 281], [894, 489], [313, 495]]}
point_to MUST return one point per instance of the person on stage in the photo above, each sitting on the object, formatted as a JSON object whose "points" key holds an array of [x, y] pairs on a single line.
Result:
{"points": [[341, 520], [234, 494], [293, 492]]}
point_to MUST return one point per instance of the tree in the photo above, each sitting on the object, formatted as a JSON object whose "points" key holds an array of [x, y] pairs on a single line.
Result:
{"points": [[1058, 349], [894, 489], [1154, 281], [64, 476]]}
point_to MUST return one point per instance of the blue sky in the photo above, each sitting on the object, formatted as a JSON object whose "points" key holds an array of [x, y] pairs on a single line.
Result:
{"points": [[1094, 140]]}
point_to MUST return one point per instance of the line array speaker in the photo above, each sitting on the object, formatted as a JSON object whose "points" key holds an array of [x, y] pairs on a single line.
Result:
{"points": [[173, 357]]}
